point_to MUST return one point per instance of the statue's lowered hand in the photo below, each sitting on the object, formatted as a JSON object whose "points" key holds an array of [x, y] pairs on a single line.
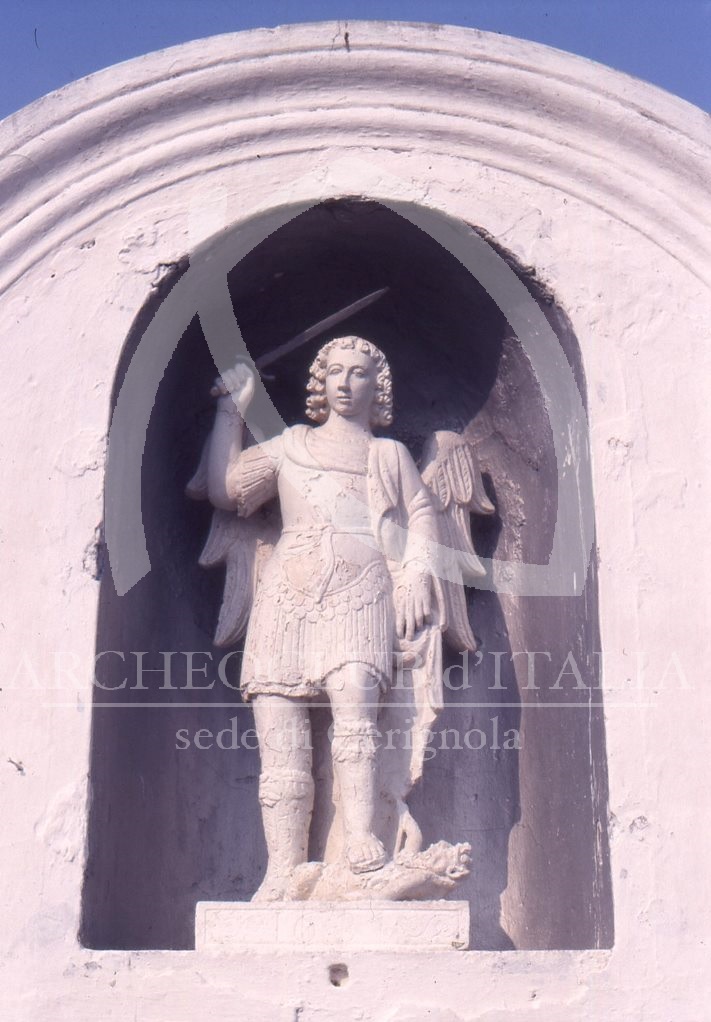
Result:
{"points": [[413, 604]]}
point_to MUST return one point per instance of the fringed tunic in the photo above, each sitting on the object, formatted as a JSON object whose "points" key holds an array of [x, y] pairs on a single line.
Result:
{"points": [[325, 597]]}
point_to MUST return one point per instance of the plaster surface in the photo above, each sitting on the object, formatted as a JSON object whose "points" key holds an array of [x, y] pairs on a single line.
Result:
{"points": [[596, 180]]}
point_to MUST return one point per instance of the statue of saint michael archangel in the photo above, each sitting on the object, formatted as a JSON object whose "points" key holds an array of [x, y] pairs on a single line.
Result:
{"points": [[344, 576]]}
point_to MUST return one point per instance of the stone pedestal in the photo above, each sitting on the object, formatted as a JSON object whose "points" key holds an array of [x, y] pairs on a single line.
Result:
{"points": [[328, 926]]}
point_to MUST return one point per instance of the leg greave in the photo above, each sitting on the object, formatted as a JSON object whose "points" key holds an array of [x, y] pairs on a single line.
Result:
{"points": [[354, 742], [277, 786]]}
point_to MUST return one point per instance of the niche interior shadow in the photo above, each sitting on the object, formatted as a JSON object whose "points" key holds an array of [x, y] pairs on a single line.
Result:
{"points": [[171, 823]]}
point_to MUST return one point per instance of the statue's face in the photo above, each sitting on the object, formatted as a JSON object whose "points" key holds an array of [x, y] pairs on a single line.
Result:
{"points": [[351, 381]]}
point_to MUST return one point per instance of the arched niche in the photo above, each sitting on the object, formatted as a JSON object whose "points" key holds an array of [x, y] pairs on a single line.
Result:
{"points": [[169, 826]]}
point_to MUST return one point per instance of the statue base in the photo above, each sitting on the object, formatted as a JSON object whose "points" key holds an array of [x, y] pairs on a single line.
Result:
{"points": [[226, 926], [410, 876]]}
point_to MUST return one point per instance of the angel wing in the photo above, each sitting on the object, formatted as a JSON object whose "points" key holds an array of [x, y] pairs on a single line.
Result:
{"points": [[451, 474], [243, 545]]}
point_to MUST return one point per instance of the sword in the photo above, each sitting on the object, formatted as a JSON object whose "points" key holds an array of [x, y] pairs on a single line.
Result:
{"points": [[313, 331], [318, 328]]}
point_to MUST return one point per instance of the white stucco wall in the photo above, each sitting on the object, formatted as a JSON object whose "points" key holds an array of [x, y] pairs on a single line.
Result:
{"points": [[593, 178]]}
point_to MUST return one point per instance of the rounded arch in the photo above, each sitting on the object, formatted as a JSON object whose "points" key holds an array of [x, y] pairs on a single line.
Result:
{"points": [[439, 92], [457, 364], [596, 181]]}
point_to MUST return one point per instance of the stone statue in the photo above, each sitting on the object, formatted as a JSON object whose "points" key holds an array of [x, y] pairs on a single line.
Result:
{"points": [[345, 592]]}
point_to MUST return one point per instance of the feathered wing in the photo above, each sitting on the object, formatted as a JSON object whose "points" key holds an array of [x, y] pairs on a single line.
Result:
{"points": [[451, 474], [243, 545]]}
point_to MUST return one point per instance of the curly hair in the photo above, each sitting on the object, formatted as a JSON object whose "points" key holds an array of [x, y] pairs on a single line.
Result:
{"points": [[317, 405]]}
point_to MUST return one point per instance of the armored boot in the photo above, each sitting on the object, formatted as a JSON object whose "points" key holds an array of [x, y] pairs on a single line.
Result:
{"points": [[286, 798], [354, 753]]}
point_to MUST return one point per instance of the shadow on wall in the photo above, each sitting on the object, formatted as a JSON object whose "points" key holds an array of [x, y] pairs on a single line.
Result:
{"points": [[170, 823]]}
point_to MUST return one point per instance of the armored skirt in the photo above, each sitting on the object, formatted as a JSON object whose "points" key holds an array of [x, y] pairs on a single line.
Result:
{"points": [[323, 601]]}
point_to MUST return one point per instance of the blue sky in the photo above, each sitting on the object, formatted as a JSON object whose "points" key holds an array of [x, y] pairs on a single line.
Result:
{"points": [[47, 43]]}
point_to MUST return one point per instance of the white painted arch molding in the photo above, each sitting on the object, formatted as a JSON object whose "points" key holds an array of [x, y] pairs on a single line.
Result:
{"points": [[98, 145]]}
